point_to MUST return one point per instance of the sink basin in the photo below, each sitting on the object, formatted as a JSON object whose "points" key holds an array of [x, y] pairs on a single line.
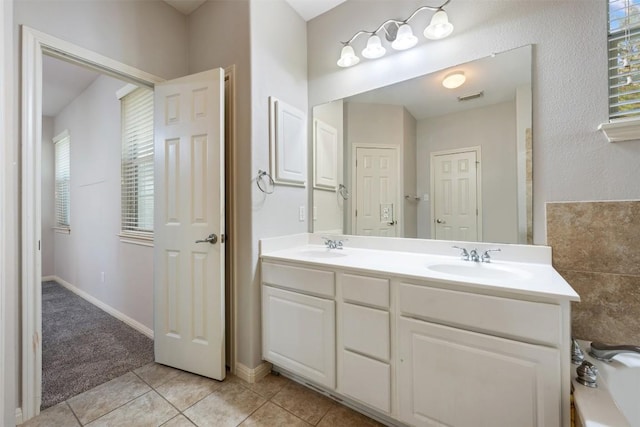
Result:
{"points": [[323, 253], [478, 270]]}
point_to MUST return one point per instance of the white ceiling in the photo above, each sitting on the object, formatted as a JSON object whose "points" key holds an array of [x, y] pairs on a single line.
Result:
{"points": [[498, 76], [307, 9], [62, 82]]}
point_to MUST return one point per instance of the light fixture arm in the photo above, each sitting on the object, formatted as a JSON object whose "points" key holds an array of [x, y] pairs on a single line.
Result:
{"points": [[395, 21]]}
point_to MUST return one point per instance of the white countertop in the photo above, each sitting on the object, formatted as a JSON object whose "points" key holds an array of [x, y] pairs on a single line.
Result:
{"points": [[534, 279]]}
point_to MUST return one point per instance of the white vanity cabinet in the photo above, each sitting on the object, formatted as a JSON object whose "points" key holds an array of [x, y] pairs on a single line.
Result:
{"points": [[415, 348], [468, 359], [298, 322]]}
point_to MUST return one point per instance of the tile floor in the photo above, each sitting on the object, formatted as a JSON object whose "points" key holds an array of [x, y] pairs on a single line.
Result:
{"points": [[156, 395]]}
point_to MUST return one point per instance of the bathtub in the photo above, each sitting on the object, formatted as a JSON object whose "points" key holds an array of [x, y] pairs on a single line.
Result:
{"points": [[616, 401]]}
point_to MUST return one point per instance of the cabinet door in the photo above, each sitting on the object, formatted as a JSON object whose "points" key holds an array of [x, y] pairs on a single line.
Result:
{"points": [[458, 378], [298, 334]]}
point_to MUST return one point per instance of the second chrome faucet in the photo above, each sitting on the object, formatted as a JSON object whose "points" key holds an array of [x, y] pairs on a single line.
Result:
{"points": [[474, 256]]}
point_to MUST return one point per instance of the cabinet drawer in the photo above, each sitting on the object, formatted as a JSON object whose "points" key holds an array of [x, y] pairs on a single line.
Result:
{"points": [[365, 330], [309, 280], [537, 322], [365, 290], [366, 380]]}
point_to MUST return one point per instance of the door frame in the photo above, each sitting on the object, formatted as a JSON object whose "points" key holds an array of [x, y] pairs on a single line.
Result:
{"points": [[354, 182], [34, 45], [432, 185]]}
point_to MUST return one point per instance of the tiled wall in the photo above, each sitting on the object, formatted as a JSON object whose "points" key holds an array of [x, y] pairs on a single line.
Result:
{"points": [[596, 248]]}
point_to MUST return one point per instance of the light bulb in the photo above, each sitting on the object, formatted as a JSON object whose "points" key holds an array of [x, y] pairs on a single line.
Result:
{"points": [[404, 38], [374, 48], [348, 57], [440, 27], [454, 80]]}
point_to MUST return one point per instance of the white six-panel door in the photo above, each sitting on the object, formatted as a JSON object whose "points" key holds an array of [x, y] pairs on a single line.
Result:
{"points": [[189, 190], [455, 195], [377, 206]]}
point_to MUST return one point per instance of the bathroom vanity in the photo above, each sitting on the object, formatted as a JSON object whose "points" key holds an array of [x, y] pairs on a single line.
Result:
{"points": [[406, 331]]}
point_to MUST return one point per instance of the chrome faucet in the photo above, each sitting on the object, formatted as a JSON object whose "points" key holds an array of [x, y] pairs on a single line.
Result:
{"points": [[485, 256], [474, 256], [607, 352], [577, 355], [464, 254], [587, 374], [332, 244]]}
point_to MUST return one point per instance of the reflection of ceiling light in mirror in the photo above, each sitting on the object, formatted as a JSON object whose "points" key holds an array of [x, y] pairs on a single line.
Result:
{"points": [[374, 48], [348, 57], [440, 27], [454, 80], [405, 38]]}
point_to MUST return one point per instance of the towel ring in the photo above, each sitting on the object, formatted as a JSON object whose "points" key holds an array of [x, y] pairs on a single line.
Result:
{"points": [[260, 182], [343, 192]]}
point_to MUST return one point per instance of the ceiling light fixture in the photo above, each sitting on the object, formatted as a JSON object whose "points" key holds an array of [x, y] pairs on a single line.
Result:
{"points": [[399, 34], [454, 80]]}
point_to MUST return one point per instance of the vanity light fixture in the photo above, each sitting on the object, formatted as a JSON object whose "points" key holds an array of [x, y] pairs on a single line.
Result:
{"points": [[454, 80], [399, 33]]}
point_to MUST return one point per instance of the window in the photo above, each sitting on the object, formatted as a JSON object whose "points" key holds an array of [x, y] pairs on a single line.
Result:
{"points": [[624, 59], [62, 151], [137, 162]]}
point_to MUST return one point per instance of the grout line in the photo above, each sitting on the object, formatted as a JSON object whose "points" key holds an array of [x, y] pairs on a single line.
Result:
{"points": [[72, 412], [114, 409]]}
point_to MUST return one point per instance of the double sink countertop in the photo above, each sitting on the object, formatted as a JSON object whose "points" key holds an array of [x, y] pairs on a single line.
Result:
{"points": [[516, 269]]}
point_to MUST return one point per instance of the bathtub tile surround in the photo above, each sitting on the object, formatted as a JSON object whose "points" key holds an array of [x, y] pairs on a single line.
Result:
{"points": [[596, 248]]}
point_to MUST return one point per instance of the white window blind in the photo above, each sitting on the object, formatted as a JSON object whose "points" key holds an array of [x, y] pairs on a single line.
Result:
{"points": [[62, 159], [624, 58], [137, 162]]}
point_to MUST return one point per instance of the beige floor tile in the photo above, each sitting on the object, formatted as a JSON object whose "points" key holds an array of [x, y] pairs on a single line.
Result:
{"points": [[148, 410], [227, 406], [342, 416], [303, 402], [185, 389], [179, 421], [270, 415], [103, 399], [59, 416], [156, 374], [268, 386]]}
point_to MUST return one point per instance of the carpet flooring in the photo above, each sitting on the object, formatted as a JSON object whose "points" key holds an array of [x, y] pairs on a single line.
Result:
{"points": [[83, 346]]}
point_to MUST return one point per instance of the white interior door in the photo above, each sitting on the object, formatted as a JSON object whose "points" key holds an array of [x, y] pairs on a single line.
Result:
{"points": [[455, 195], [377, 205], [189, 177]]}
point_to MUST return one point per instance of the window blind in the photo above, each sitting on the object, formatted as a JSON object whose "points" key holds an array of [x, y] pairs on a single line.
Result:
{"points": [[624, 58], [62, 158], [137, 162]]}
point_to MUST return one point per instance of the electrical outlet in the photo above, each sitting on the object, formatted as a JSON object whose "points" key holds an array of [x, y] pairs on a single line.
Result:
{"points": [[425, 197], [102, 277], [301, 213]]}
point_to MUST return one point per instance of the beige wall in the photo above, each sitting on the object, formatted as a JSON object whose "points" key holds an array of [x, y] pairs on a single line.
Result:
{"points": [[409, 143], [492, 128], [48, 197]]}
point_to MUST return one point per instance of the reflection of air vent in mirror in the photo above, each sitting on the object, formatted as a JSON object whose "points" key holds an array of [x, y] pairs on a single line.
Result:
{"points": [[472, 96]]}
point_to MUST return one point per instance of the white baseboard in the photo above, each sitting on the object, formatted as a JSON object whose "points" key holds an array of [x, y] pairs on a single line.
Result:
{"points": [[18, 416], [105, 307], [48, 278], [252, 375]]}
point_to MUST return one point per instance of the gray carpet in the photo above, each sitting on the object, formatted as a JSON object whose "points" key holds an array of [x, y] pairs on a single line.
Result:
{"points": [[83, 346]]}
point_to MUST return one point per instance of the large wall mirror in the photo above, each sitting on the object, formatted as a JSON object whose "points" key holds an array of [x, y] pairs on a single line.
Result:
{"points": [[417, 159]]}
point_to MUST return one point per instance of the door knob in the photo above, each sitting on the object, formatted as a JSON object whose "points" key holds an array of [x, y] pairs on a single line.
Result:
{"points": [[441, 221], [212, 238], [392, 222]]}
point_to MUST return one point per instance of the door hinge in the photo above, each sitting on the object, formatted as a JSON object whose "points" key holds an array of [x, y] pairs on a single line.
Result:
{"points": [[38, 244], [356, 212], [476, 211]]}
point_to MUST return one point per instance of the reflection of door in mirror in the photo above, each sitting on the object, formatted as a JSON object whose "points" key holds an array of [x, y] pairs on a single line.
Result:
{"points": [[421, 117], [376, 191], [454, 185]]}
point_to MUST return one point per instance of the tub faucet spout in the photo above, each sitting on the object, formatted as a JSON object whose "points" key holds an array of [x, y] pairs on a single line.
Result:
{"points": [[607, 352]]}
